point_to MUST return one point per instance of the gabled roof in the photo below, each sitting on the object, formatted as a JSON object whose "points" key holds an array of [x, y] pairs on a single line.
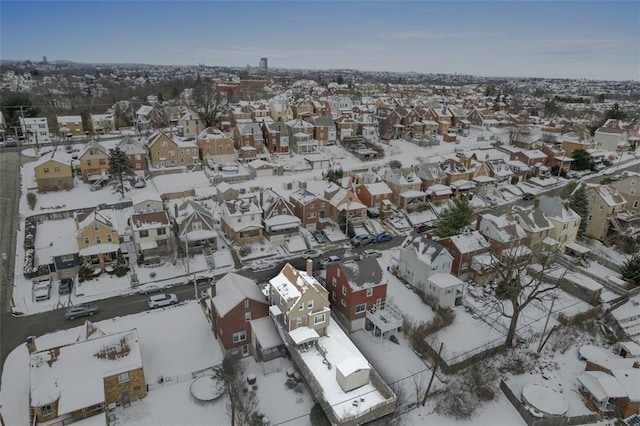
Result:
{"points": [[93, 144], [609, 194], [190, 207], [303, 196], [534, 220], [131, 146], [232, 290], [379, 188], [361, 274], [469, 242], [502, 228], [291, 283], [157, 136], [557, 208], [106, 217], [149, 220], [423, 246], [57, 156], [323, 121]]}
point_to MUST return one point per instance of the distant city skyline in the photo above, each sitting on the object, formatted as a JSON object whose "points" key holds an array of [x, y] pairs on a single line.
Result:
{"points": [[565, 39]]}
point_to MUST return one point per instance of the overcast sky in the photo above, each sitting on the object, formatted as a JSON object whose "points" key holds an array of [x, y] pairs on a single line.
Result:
{"points": [[568, 39]]}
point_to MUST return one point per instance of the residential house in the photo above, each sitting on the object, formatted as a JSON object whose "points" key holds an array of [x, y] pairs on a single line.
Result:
{"points": [[565, 221], [421, 257], [534, 159], [324, 129], [278, 218], [85, 378], [458, 117], [355, 286], [98, 235], [276, 136], [485, 184], [300, 304], [301, 135], [235, 302], [137, 153], [539, 230], [377, 195], [172, 114], [195, 226], [54, 172], [455, 170], [629, 187], [144, 115], [56, 246], [226, 192], [261, 168], [214, 146], [309, 208], [471, 256], [525, 137], [35, 130], [241, 221], [611, 139], [302, 108], [430, 173], [556, 157], [340, 105], [321, 107], [405, 185], [346, 126], [102, 124], [94, 162], [189, 124], [441, 116], [146, 202], [483, 118], [388, 121], [280, 109], [151, 235], [248, 134], [70, 125], [499, 170], [344, 202], [167, 152], [573, 143], [605, 203], [446, 290], [504, 233]]}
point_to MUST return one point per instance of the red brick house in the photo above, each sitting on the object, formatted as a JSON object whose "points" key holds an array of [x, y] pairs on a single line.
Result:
{"points": [[464, 248], [504, 233], [248, 134], [309, 208], [374, 194], [302, 108], [276, 136], [354, 288], [235, 301], [136, 152]]}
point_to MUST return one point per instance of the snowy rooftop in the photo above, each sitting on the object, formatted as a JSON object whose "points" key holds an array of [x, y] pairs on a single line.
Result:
{"points": [[444, 280], [469, 242], [290, 283], [75, 372], [232, 289], [54, 238]]}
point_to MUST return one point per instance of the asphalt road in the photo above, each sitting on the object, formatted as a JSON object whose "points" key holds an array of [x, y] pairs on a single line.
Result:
{"points": [[15, 330]]}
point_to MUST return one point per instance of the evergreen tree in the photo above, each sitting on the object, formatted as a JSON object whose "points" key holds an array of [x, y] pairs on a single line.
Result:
{"points": [[454, 218], [580, 205], [120, 169], [630, 270], [581, 160]]}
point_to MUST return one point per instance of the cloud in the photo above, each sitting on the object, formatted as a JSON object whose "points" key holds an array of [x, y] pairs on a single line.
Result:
{"points": [[431, 35]]}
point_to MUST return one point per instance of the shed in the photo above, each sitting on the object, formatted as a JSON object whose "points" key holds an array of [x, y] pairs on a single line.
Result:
{"points": [[352, 372]]}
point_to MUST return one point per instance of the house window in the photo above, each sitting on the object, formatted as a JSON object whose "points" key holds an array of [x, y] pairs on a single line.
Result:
{"points": [[102, 162], [109, 238], [311, 215], [333, 281], [344, 303], [239, 219], [310, 304], [86, 241], [163, 143], [96, 227], [67, 258], [98, 239], [56, 169], [635, 204], [46, 410], [196, 226], [89, 163], [123, 377], [301, 307], [144, 233], [46, 170], [311, 206], [247, 316], [344, 290], [632, 191], [161, 231], [370, 292], [361, 308], [318, 319], [601, 207], [240, 336], [246, 303]]}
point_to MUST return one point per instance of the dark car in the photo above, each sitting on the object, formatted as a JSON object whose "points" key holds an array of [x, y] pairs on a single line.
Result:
{"points": [[319, 236], [384, 237], [528, 196], [78, 311], [421, 228], [65, 286]]}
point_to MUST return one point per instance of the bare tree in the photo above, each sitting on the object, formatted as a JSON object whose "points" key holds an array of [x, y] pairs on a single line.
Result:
{"points": [[519, 285], [243, 402], [210, 105]]}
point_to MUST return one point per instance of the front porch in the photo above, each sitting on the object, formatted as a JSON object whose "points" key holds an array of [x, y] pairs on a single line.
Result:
{"points": [[384, 319]]}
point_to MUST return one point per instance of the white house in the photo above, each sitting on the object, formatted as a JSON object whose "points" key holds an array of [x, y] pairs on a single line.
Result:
{"points": [[151, 234], [190, 124], [446, 289], [102, 123], [421, 257], [241, 220], [609, 139], [146, 202], [35, 130]]}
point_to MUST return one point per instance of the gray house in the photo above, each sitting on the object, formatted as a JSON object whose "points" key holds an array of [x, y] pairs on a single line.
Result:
{"points": [[194, 224], [421, 257]]}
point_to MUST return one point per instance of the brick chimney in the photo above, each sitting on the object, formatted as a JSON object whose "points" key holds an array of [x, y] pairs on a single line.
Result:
{"points": [[310, 267], [536, 203], [31, 344]]}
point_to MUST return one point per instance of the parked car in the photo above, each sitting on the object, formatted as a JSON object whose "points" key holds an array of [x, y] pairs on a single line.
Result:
{"points": [[572, 174], [164, 299], [528, 196], [311, 254], [152, 288], [331, 260], [319, 236], [86, 310], [261, 265], [139, 182], [371, 253], [384, 237], [42, 288], [362, 240], [65, 286], [373, 212]]}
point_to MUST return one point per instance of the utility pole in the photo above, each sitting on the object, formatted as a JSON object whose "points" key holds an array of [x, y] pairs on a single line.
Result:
{"points": [[195, 283], [435, 368], [546, 323]]}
